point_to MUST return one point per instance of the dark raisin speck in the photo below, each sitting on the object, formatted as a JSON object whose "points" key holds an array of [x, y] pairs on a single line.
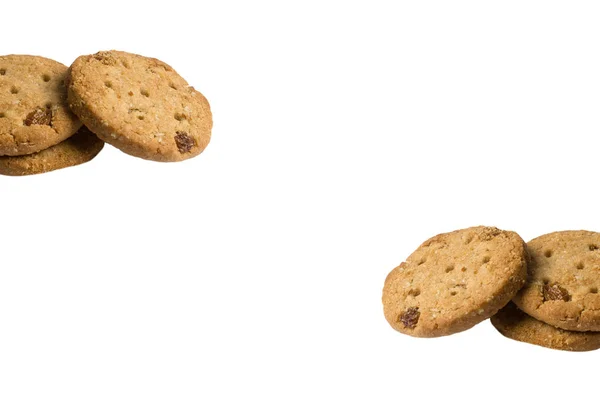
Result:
{"points": [[555, 292], [39, 116], [410, 317], [184, 142]]}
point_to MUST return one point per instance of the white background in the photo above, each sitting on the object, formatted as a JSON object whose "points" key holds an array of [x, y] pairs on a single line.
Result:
{"points": [[345, 134]]}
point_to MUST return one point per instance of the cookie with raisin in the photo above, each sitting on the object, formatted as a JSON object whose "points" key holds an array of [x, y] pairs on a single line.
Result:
{"points": [[513, 323], [139, 105], [34, 113], [454, 281], [563, 280]]}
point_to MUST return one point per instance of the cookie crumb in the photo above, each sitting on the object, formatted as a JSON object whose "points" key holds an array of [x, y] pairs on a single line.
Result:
{"points": [[184, 142], [410, 317], [105, 58], [555, 292]]}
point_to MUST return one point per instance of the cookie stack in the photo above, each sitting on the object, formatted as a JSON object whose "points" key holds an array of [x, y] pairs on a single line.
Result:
{"points": [[53, 117], [544, 292]]}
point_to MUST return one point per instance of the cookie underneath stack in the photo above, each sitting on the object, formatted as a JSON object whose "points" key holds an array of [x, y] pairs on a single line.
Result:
{"points": [[456, 280], [78, 149], [139, 105]]}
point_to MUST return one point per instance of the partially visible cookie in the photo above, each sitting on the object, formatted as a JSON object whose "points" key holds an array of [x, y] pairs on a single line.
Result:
{"points": [[34, 114], [514, 324], [139, 105], [78, 149], [563, 280], [454, 281]]}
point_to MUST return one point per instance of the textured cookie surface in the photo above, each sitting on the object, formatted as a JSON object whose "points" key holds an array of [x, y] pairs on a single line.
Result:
{"points": [[140, 105], [78, 149], [34, 114], [514, 324], [563, 280], [454, 281]]}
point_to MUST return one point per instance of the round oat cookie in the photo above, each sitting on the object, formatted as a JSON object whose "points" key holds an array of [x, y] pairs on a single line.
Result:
{"points": [[34, 114], [514, 324], [139, 105], [454, 281], [563, 280], [78, 149]]}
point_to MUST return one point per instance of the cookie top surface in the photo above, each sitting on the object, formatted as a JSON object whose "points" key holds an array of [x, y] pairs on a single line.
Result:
{"points": [[139, 105], [34, 113], [563, 280], [454, 281], [78, 149], [514, 324]]}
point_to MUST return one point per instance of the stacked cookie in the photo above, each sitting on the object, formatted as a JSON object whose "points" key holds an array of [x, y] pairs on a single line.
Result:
{"points": [[53, 117], [544, 292]]}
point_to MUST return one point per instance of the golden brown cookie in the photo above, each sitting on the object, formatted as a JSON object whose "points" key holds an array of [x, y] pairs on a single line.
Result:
{"points": [[78, 149], [514, 324], [563, 280], [34, 114], [140, 105], [454, 281]]}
